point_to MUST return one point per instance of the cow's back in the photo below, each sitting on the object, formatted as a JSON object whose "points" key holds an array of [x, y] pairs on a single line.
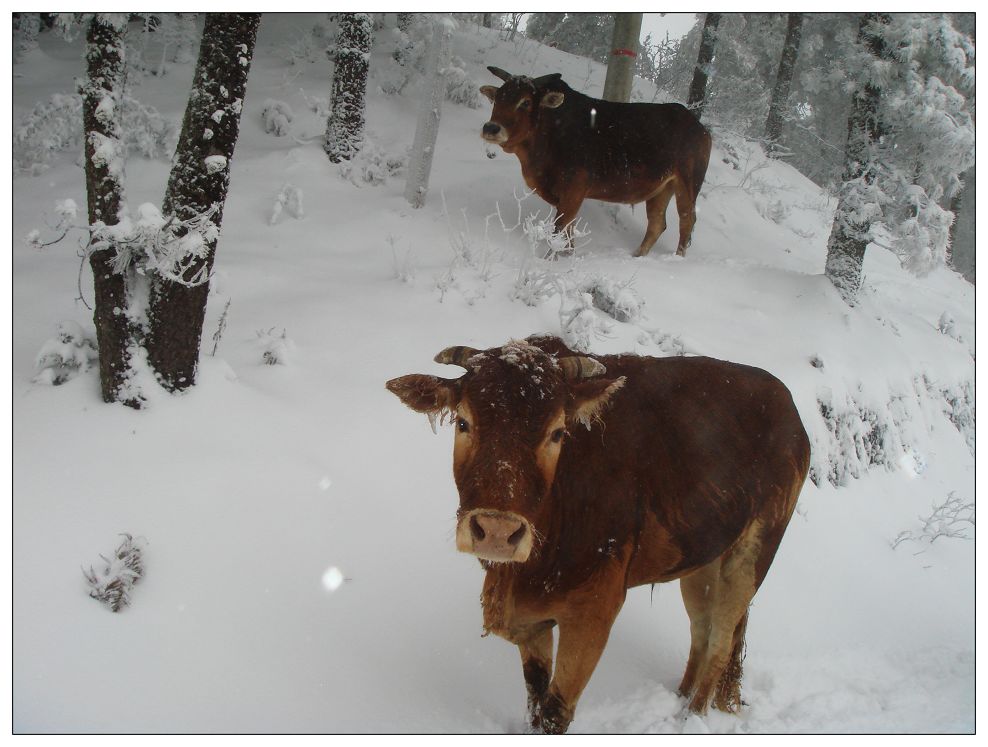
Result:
{"points": [[613, 140], [689, 452]]}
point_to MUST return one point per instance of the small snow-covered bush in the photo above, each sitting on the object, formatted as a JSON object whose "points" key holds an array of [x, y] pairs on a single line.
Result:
{"points": [[113, 581], [616, 299], [52, 126], [953, 518], [56, 125], [372, 165], [277, 117], [580, 323], [289, 199], [460, 87], [71, 352], [276, 350]]}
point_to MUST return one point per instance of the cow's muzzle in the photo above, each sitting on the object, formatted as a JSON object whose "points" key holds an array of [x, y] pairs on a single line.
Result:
{"points": [[494, 133], [499, 536]]}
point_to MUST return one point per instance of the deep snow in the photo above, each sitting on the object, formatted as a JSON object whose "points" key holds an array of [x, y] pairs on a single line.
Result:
{"points": [[265, 485]]}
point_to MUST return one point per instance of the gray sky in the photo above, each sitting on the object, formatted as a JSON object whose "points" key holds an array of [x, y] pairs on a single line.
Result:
{"points": [[677, 24]]}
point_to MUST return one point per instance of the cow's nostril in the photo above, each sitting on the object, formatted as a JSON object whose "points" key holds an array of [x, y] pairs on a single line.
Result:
{"points": [[476, 530], [491, 129], [516, 537]]}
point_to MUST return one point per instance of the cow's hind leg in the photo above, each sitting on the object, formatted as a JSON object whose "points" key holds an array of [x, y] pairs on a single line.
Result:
{"points": [[686, 207], [655, 210], [699, 590], [717, 675]]}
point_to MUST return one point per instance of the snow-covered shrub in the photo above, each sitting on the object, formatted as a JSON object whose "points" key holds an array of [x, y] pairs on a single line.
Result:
{"points": [[952, 518], [318, 104], [309, 46], [277, 117], [404, 268], [616, 299], [580, 323], [113, 581], [56, 125], [145, 131], [52, 126], [71, 352], [372, 165], [460, 87], [275, 349], [288, 199]]}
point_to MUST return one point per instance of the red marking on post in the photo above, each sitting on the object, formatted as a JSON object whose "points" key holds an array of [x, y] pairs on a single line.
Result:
{"points": [[624, 53]]}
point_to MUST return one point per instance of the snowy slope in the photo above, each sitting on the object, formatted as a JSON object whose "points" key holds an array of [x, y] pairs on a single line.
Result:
{"points": [[252, 485]]}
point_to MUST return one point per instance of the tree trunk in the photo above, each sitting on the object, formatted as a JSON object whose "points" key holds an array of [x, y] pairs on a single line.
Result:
{"points": [[102, 91], [345, 128], [851, 231], [427, 127], [783, 81], [624, 51], [199, 180], [708, 42], [961, 254]]}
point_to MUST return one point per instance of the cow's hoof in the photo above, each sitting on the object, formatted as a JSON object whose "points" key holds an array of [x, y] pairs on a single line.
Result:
{"points": [[556, 717]]}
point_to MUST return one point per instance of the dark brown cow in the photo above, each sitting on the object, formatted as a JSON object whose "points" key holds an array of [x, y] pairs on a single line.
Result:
{"points": [[581, 478], [573, 147]]}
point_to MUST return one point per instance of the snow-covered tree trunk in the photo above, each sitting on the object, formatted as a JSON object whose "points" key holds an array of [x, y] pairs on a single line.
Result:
{"points": [[858, 204], [783, 81], [345, 127], [708, 43], [405, 21], [427, 127], [102, 92], [197, 185]]}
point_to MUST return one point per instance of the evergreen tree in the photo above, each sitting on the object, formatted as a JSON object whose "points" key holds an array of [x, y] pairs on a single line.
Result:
{"points": [[345, 127], [430, 111], [708, 42], [783, 81], [102, 92], [197, 187], [584, 34], [858, 206]]}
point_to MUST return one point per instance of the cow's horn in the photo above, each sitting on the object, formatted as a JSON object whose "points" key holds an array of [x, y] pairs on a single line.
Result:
{"points": [[499, 72], [544, 79], [581, 367], [458, 355]]}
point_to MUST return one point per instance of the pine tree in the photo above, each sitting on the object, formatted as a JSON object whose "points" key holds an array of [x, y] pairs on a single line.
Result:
{"points": [[197, 186], [783, 81], [708, 42], [859, 202], [345, 127], [427, 128], [102, 92]]}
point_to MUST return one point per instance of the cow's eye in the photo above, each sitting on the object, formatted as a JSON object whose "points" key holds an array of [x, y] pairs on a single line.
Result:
{"points": [[524, 104], [462, 425], [557, 435]]}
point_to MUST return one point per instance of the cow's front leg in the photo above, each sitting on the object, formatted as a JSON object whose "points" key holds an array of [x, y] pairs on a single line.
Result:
{"points": [[582, 638], [567, 208], [536, 663]]}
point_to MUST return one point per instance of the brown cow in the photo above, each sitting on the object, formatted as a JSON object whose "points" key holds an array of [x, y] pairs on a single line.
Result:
{"points": [[581, 478], [573, 147]]}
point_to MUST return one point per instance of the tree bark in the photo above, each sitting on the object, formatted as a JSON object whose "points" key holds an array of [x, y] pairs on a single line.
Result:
{"points": [[708, 43], [851, 231], [427, 127], [624, 51], [783, 81], [345, 127], [199, 180], [102, 92]]}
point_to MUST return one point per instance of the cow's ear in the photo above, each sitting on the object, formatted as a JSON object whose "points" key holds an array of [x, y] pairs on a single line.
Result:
{"points": [[427, 394], [552, 99], [489, 91], [587, 398]]}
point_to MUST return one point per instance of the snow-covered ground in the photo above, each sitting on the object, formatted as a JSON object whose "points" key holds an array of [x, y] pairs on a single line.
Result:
{"points": [[259, 480]]}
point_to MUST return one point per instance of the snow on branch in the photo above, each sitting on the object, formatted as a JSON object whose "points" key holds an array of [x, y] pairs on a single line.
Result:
{"points": [[112, 582], [172, 249]]}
